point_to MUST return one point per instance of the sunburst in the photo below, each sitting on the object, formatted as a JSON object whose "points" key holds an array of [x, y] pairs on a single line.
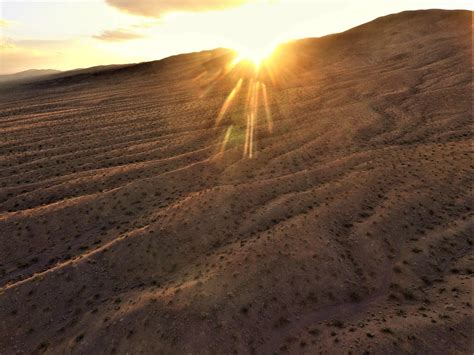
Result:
{"points": [[257, 103]]}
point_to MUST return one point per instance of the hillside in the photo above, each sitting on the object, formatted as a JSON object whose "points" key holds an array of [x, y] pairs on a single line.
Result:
{"points": [[28, 75], [143, 209]]}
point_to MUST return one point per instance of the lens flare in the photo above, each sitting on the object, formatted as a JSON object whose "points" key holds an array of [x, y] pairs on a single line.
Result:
{"points": [[229, 100], [257, 100], [226, 139], [268, 112]]}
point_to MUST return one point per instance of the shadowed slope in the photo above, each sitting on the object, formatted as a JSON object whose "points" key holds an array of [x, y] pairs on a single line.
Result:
{"points": [[127, 225]]}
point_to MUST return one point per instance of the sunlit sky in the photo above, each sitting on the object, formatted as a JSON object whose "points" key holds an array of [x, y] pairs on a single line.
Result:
{"points": [[73, 34]]}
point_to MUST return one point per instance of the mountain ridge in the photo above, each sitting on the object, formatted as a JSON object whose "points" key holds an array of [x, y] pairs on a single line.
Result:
{"points": [[383, 20], [28, 74]]}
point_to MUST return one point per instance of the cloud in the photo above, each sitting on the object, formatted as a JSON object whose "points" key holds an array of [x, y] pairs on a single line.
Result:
{"points": [[4, 23], [156, 8], [6, 43], [118, 35]]}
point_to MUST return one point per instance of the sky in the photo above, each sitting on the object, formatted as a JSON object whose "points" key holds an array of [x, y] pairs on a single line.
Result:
{"points": [[72, 34]]}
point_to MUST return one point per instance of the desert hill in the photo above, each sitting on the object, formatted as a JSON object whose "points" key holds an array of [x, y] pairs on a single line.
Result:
{"points": [[28, 75], [186, 205]]}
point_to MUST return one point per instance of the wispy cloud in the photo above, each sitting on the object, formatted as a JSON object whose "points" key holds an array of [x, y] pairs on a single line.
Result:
{"points": [[6, 43], [118, 35], [158, 8], [4, 23]]}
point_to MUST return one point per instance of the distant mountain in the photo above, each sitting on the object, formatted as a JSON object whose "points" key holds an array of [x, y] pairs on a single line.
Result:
{"points": [[28, 74]]}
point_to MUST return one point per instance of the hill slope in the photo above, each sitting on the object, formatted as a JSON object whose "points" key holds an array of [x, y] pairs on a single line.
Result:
{"points": [[28, 74], [331, 212]]}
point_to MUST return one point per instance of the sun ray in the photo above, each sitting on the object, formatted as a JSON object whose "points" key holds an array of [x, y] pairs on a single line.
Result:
{"points": [[228, 101], [252, 126], [255, 105], [247, 135], [255, 116], [226, 139], [267, 108], [249, 110]]}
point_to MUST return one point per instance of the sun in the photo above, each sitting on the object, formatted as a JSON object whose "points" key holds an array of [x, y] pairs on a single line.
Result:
{"points": [[254, 54]]}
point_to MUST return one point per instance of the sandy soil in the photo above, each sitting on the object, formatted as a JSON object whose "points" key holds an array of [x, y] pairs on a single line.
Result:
{"points": [[327, 208]]}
